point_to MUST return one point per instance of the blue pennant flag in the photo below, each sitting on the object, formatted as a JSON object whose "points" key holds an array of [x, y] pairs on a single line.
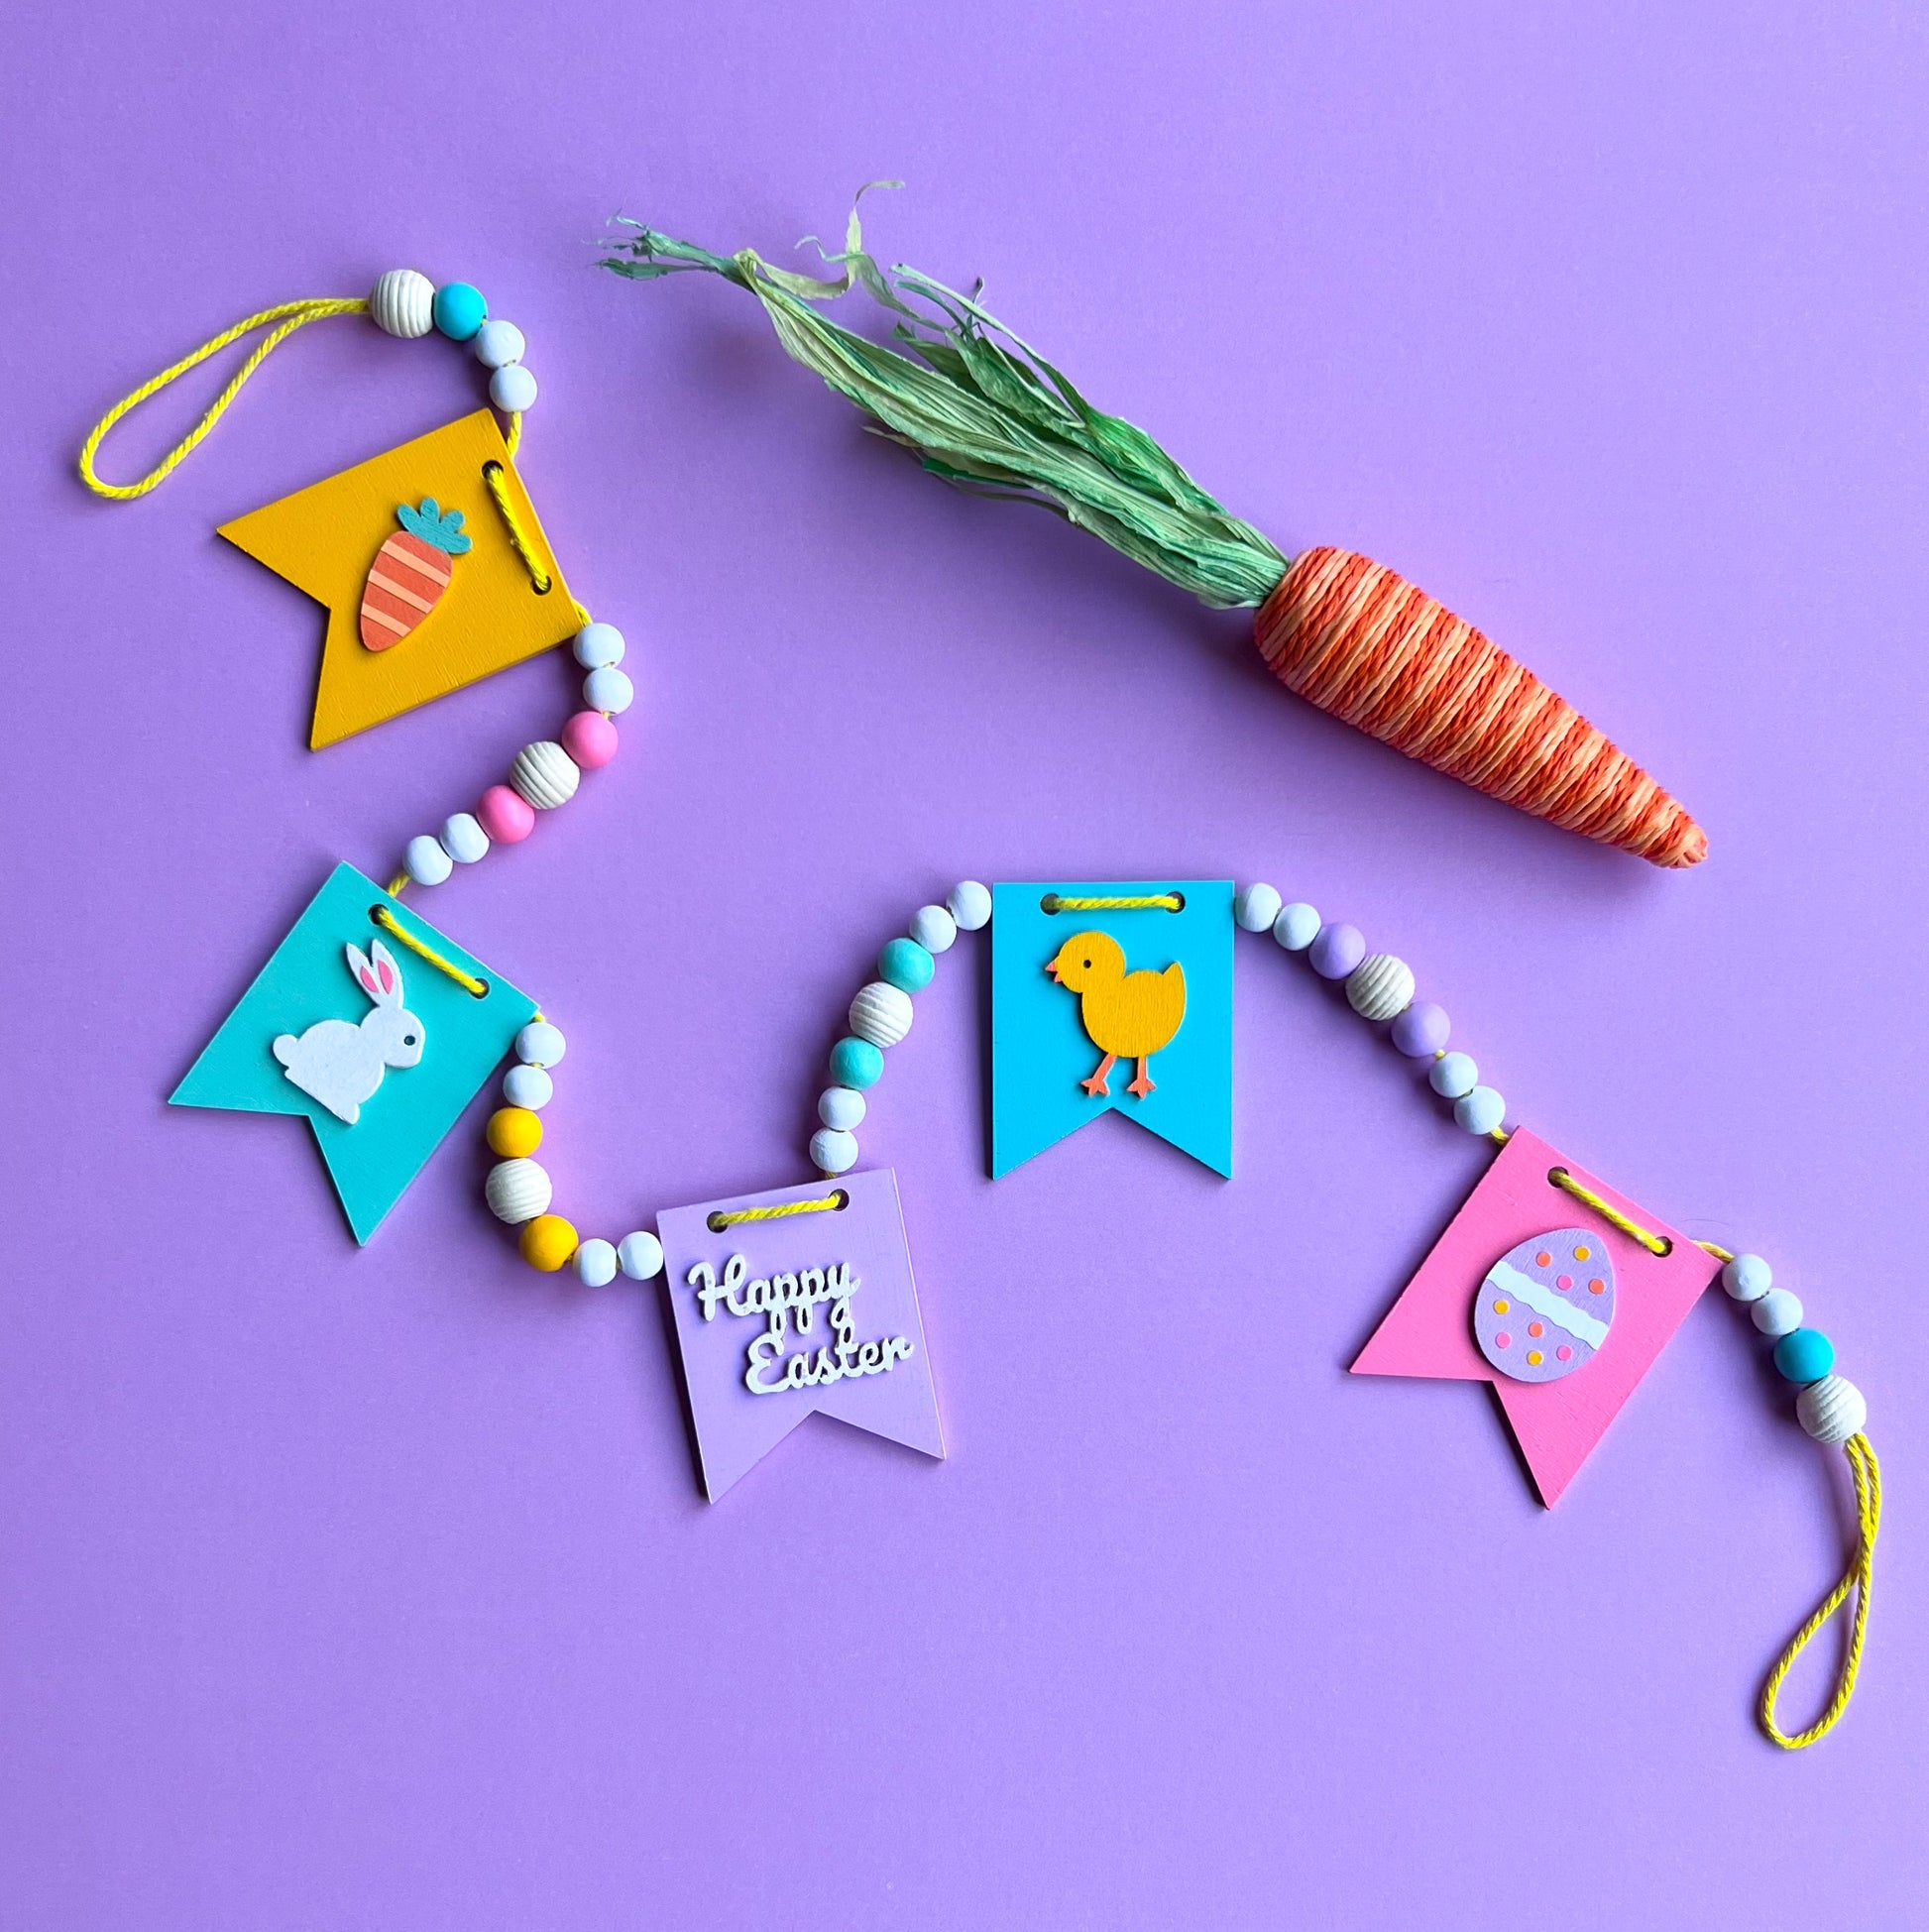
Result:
{"points": [[376, 1044], [1098, 1005]]}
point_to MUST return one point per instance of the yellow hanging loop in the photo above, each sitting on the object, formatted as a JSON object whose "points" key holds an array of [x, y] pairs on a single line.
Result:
{"points": [[286, 317], [1856, 1577]]}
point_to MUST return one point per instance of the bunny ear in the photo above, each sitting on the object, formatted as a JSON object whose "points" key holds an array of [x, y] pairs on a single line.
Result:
{"points": [[365, 977], [387, 974]]}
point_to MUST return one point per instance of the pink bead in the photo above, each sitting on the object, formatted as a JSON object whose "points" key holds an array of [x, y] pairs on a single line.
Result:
{"points": [[590, 739], [505, 816]]}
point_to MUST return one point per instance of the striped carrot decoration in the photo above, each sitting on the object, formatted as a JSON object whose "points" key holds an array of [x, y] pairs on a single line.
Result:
{"points": [[1348, 635], [411, 572]]}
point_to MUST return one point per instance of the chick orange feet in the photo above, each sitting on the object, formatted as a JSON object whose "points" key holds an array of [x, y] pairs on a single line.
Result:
{"points": [[1096, 1087], [1141, 1084]]}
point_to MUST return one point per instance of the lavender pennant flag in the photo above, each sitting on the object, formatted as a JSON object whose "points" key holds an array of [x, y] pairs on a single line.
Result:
{"points": [[797, 1314]]}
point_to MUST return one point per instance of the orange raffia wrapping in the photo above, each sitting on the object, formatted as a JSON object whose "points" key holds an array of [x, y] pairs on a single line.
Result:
{"points": [[1363, 643]]}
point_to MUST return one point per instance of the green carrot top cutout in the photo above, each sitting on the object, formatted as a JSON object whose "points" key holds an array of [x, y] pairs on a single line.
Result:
{"points": [[438, 527]]}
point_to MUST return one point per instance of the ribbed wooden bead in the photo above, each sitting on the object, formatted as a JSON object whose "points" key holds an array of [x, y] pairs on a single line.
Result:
{"points": [[518, 1191], [880, 1013], [1832, 1410], [544, 776], [1380, 987], [403, 303]]}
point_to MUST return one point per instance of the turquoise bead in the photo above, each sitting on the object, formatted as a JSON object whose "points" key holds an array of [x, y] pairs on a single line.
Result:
{"points": [[856, 1063], [459, 310], [906, 965], [1804, 1355]]}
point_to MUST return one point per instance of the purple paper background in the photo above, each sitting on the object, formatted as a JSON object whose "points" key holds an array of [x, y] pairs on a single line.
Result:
{"points": [[374, 1589]]}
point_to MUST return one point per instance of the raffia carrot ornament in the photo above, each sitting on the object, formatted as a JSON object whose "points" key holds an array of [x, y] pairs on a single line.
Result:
{"points": [[986, 412]]}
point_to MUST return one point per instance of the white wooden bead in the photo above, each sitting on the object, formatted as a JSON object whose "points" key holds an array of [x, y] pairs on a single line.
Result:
{"points": [[1748, 1278], [933, 929], [545, 774], [596, 1263], [1454, 1074], [528, 1086], [833, 1151], [498, 343], [462, 838], [427, 863], [969, 904], [881, 1013], [1256, 908], [540, 1044], [1480, 1111], [609, 689], [841, 1108], [641, 1255], [599, 644], [518, 1191], [1297, 926], [512, 389], [1778, 1313], [1832, 1410], [1380, 987], [403, 303]]}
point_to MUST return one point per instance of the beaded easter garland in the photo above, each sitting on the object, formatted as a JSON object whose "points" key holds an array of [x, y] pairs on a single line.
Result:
{"points": [[1536, 1309]]}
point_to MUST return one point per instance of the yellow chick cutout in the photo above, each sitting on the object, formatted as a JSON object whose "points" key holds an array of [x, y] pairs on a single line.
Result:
{"points": [[1126, 1015], [505, 600]]}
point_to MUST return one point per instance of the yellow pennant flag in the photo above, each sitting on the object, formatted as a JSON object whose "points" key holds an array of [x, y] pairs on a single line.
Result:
{"points": [[432, 565]]}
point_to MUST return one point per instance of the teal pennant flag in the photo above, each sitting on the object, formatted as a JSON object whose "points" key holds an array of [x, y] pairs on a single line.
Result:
{"points": [[1112, 998], [378, 1046]]}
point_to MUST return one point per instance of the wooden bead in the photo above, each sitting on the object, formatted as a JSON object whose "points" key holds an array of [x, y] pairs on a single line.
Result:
{"points": [[1832, 1410], [641, 1255], [425, 861], [544, 776], [1380, 987], [1778, 1313], [505, 817], [856, 1063], [547, 1242], [595, 1261], [969, 904], [596, 645], [512, 1131], [1804, 1355], [459, 310], [1336, 950], [880, 1013], [403, 303], [841, 1108], [512, 389], [528, 1086], [1748, 1278], [833, 1151], [498, 344], [609, 689], [1422, 1031], [1256, 908], [518, 1191], [590, 739], [1454, 1074], [1297, 926], [540, 1044], [906, 965], [462, 838], [1480, 1111], [933, 929]]}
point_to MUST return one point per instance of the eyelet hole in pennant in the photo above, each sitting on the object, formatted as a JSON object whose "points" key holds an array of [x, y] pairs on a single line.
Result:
{"points": [[1655, 1245], [833, 1202], [1054, 903], [390, 924]]}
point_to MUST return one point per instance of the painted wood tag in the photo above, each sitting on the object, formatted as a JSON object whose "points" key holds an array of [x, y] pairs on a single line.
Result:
{"points": [[381, 1054], [425, 591], [1111, 1010], [1446, 1324], [814, 1314]]}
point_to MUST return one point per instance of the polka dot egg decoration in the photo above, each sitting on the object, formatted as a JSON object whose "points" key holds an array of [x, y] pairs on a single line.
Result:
{"points": [[1544, 1309]]}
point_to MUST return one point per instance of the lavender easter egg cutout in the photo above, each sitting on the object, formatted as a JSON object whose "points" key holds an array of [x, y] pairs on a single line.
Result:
{"points": [[1544, 1309]]}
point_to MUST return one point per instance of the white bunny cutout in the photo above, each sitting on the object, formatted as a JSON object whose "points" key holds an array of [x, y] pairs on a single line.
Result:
{"points": [[340, 1064]]}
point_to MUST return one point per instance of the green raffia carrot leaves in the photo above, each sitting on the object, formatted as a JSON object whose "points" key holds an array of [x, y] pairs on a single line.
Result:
{"points": [[984, 410]]}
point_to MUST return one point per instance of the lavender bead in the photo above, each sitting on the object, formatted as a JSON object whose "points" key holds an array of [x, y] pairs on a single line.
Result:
{"points": [[1337, 951], [1422, 1031]]}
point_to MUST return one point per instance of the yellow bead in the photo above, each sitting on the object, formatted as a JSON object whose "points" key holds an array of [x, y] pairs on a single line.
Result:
{"points": [[513, 1131], [548, 1241]]}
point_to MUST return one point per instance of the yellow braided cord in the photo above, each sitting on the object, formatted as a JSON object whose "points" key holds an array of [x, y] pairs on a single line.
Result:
{"points": [[721, 1219], [515, 438], [395, 886], [1654, 1243], [390, 922], [1158, 902], [493, 476], [287, 316], [1856, 1577]]}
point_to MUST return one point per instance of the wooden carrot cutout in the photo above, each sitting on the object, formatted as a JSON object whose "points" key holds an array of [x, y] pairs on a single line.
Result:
{"points": [[411, 572], [1348, 635]]}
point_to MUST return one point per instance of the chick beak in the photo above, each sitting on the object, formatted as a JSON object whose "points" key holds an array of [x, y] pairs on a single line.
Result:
{"points": [[1052, 970]]}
